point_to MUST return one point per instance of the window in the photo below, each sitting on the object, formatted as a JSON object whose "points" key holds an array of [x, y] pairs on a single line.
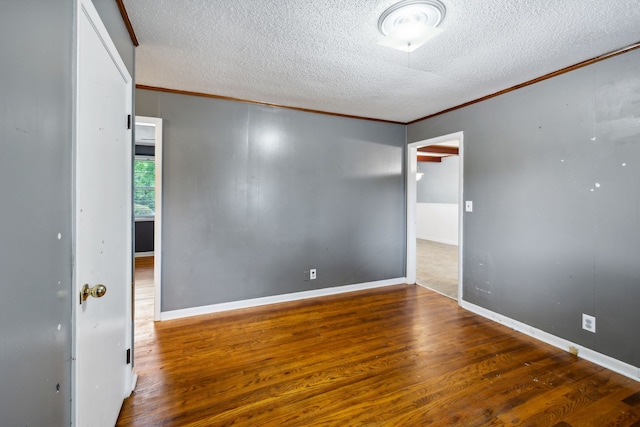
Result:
{"points": [[144, 187]]}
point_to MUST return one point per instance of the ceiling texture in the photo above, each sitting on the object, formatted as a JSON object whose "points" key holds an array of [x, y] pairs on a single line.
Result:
{"points": [[324, 55]]}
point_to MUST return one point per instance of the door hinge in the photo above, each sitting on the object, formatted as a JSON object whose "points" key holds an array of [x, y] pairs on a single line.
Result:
{"points": [[128, 356], [129, 121]]}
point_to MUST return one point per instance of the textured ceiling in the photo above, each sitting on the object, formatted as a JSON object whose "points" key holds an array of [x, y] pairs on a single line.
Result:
{"points": [[323, 54]]}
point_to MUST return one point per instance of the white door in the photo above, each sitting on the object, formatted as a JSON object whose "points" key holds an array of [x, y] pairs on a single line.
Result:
{"points": [[103, 162]]}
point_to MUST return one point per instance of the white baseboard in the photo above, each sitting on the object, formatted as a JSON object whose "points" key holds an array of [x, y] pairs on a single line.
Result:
{"points": [[603, 360], [435, 239], [255, 302], [143, 254]]}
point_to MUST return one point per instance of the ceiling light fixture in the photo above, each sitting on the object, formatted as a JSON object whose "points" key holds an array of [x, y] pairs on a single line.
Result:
{"points": [[409, 24]]}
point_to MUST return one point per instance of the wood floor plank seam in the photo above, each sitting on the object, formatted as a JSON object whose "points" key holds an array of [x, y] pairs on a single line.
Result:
{"points": [[395, 356]]}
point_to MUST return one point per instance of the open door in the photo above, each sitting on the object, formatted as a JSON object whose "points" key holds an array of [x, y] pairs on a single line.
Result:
{"points": [[102, 219]]}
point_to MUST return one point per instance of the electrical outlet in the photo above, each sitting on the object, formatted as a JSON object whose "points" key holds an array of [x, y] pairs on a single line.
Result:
{"points": [[312, 274], [468, 206], [588, 323]]}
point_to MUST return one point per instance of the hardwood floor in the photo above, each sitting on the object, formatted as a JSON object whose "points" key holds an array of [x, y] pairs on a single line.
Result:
{"points": [[395, 356], [143, 296]]}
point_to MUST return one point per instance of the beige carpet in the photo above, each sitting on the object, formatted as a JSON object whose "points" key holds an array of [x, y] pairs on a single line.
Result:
{"points": [[437, 267]]}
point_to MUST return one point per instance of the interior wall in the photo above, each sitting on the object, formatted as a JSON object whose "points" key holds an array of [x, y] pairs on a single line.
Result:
{"points": [[35, 188], [440, 182], [112, 19], [553, 172], [144, 236], [254, 196], [437, 200], [36, 121], [437, 222]]}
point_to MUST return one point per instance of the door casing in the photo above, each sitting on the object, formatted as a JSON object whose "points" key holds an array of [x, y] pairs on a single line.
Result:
{"points": [[412, 167], [157, 220]]}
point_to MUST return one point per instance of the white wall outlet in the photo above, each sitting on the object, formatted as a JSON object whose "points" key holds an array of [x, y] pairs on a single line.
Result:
{"points": [[588, 323], [312, 274], [468, 206]]}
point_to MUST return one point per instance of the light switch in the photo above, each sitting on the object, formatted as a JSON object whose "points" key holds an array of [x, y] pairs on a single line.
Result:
{"points": [[468, 206]]}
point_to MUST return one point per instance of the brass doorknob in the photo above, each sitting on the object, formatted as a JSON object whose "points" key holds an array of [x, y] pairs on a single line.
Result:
{"points": [[96, 291]]}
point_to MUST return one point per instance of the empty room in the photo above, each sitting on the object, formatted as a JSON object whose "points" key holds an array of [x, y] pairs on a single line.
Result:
{"points": [[371, 213]]}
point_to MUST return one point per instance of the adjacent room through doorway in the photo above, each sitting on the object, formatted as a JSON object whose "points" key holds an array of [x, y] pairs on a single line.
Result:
{"points": [[147, 207], [434, 201], [437, 267], [437, 191]]}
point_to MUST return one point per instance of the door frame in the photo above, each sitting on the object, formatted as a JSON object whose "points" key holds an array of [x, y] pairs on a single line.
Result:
{"points": [[411, 185], [86, 8], [157, 219]]}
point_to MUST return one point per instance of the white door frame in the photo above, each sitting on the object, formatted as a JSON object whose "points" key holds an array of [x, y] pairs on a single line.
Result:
{"points": [[412, 168], [157, 220]]}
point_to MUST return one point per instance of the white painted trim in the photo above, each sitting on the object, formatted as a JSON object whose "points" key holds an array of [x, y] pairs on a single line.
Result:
{"points": [[461, 146], [444, 241], [157, 227], [412, 201], [255, 302], [143, 254], [412, 166], [600, 359]]}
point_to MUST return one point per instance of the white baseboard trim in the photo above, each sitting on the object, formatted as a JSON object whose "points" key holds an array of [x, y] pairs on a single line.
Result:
{"points": [[255, 302], [445, 241], [603, 360], [143, 254]]}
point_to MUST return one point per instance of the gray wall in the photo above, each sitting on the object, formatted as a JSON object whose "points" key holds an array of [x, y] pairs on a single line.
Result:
{"points": [[112, 20], [35, 189], [440, 182], [36, 46], [553, 171], [254, 196]]}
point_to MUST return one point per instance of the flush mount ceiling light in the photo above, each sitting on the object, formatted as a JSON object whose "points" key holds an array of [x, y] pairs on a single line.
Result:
{"points": [[410, 24]]}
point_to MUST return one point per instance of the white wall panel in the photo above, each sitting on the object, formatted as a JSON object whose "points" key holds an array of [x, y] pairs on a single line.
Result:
{"points": [[437, 222]]}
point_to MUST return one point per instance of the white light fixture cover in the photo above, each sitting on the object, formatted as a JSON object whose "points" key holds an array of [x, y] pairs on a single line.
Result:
{"points": [[411, 23]]}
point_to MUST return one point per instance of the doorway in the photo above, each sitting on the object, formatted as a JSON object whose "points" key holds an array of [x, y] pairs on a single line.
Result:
{"points": [[148, 217], [434, 230]]}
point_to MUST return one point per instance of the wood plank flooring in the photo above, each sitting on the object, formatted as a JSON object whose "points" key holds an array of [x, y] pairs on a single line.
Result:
{"points": [[395, 356]]}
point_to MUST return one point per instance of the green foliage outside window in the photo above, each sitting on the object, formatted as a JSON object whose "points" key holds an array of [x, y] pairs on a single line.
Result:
{"points": [[144, 193]]}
